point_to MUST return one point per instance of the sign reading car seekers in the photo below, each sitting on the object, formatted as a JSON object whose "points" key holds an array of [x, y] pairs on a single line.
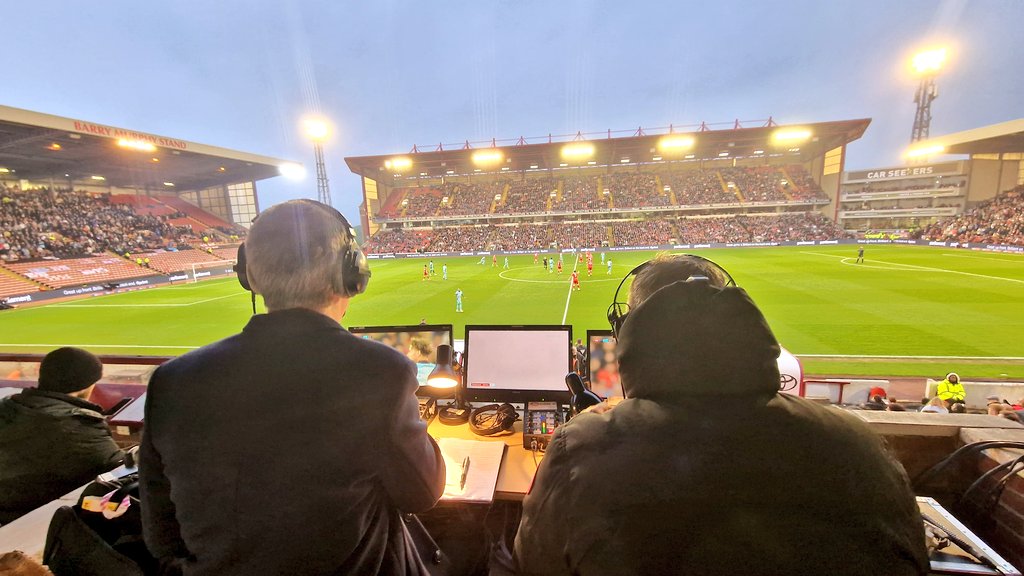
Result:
{"points": [[111, 132], [941, 169]]}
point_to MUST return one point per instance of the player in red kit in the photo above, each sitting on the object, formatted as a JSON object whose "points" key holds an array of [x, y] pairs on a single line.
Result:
{"points": [[575, 280], [590, 267], [426, 275], [559, 266]]}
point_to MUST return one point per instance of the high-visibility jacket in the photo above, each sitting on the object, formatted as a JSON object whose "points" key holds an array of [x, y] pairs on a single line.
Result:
{"points": [[951, 392]]}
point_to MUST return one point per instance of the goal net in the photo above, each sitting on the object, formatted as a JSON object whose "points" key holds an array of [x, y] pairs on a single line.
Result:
{"points": [[205, 270]]}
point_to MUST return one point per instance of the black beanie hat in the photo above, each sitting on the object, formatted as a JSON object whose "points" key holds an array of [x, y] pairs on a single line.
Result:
{"points": [[68, 370]]}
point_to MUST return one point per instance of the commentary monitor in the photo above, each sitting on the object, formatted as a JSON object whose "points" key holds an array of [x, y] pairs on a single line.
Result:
{"points": [[419, 343], [517, 363]]}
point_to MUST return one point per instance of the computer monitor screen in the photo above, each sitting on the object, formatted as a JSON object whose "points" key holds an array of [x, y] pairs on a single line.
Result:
{"points": [[418, 342], [604, 365], [517, 363]]}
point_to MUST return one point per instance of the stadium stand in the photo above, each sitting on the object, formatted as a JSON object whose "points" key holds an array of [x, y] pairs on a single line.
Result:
{"points": [[633, 190], [647, 232], [699, 187], [55, 274], [177, 261], [528, 196], [12, 284], [580, 195], [40, 224], [996, 221], [422, 202], [468, 199]]}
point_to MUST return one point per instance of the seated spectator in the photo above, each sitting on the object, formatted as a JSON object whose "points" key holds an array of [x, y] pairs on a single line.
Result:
{"points": [[688, 473], [950, 389], [52, 440]]}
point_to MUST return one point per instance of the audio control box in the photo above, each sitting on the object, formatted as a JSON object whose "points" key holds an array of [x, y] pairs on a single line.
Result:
{"points": [[540, 420]]}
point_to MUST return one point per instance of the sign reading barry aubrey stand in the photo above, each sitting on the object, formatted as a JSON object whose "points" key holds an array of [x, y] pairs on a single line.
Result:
{"points": [[902, 172]]}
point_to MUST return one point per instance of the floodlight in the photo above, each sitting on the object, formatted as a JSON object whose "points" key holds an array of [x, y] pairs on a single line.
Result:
{"points": [[100, 178], [656, 158], [562, 164], [925, 150], [154, 160], [722, 154], [486, 157], [55, 146], [316, 128], [689, 156], [676, 143], [624, 160], [928, 62], [758, 151], [398, 164], [533, 166], [450, 172], [292, 171], [791, 135], [168, 183], [577, 151], [140, 145], [591, 163], [4, 170], [504, 168]]}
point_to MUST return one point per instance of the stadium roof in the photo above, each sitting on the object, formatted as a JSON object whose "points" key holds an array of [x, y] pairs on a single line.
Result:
{"points": [[805, 141], [38, 147], [1002, 138]]}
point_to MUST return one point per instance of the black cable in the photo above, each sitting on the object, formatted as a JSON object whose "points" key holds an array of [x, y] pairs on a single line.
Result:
{"points": [[928, 475], [1011, 464]]}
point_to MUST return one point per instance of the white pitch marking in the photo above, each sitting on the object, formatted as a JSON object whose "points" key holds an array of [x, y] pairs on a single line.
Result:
{"points": [[1000, 358], [145, 305], [582, 280], [903, 267], [568, 297], [1017, 261]]}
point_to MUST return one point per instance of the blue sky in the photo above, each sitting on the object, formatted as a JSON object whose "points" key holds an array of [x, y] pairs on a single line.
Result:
{"points": [[240, 74]]}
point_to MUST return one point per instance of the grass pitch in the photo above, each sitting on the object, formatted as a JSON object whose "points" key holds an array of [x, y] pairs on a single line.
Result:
{"points": [[906, 311]]}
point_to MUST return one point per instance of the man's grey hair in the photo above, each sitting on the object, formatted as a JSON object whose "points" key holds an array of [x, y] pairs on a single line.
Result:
{"points": [[667, 269], [293, 256]]}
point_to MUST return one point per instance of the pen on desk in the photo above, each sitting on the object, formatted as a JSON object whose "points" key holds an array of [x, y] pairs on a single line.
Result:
{"points": [[465, 471]]}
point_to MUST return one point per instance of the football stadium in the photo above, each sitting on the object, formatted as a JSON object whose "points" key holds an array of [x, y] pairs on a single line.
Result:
{"points": [[846, 341]]}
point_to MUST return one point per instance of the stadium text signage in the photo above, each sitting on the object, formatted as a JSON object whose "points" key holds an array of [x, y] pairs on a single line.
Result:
{"points": [[907, 172], [111, 132]]}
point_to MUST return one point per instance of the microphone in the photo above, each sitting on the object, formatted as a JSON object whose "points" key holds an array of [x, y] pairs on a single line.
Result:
{"points": [[581, 397]]}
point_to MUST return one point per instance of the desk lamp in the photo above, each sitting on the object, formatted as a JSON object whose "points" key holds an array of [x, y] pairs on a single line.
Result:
{"points": [[443, 382]]}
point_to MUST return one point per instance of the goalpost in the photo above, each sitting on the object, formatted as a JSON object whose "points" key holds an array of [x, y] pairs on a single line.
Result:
{"points": [[205, 270]]}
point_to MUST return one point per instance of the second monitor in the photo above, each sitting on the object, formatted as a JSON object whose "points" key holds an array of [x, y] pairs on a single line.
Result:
{"points": [[517, 363]]}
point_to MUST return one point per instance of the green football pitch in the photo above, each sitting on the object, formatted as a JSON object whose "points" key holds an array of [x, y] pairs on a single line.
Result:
{"points": [[906, 311]]}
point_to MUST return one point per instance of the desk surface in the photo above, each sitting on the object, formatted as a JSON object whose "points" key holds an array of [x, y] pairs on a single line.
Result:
{"points": [[517, 467]]}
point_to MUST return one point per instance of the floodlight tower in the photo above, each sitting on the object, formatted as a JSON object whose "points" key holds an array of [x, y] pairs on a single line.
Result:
{"points": [[926, 65], [318, 130]]}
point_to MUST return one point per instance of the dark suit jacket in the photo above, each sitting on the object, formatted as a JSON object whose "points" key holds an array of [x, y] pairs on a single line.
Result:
{"points": [[289, 448]]}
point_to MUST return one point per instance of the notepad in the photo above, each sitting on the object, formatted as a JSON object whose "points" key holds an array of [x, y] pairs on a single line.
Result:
{"points": [[481, 473]]}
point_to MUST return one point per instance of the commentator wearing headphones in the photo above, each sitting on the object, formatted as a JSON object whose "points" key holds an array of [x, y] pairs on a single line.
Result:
{"points": [[705, 468], [292, 447]]}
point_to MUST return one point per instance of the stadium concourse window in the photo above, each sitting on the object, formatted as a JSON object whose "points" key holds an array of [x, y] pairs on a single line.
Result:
{"points": [[243, 203]]}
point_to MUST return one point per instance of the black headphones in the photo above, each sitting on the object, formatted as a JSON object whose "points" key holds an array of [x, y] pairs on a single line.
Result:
{"points": [[493, 419], [618, 311], [353, 271]]}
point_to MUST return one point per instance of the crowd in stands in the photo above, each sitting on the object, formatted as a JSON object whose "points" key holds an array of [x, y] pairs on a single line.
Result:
{"points": [[527, 196], [760, 184], [698, 187], [634, 190], [579, 195], [650, 231], [996, 221], [397, 240], [619, 190], [41, 223], [877, 188], [643, 232], [467, 199]]}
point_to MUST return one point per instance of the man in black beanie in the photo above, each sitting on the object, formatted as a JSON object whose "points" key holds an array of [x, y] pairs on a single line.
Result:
{"points": [[705, 468], [52, 440]]}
